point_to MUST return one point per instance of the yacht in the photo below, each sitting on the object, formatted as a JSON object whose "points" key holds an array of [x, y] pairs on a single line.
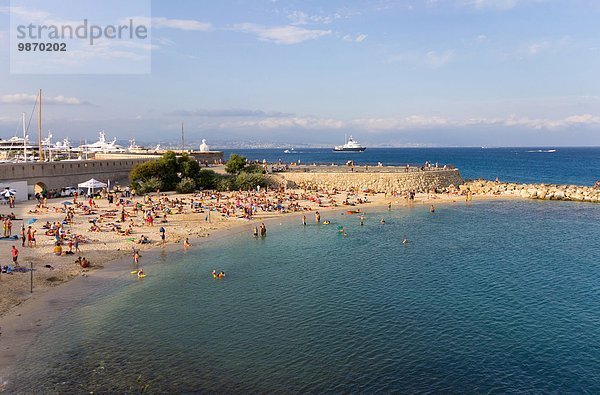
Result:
{"points": [[350, 146], [11, 148], [101, 146]]}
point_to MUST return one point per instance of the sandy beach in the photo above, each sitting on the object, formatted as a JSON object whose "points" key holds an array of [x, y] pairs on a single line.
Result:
{"points": [[59, 282]]}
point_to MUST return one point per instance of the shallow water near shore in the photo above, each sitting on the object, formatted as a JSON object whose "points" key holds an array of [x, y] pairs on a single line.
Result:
{"points": [[492, 297]]}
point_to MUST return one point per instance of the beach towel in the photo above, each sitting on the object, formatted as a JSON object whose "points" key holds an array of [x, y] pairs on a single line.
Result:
{"points": [[9, 238]]}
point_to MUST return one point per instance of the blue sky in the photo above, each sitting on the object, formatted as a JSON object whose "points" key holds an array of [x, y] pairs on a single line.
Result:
{"points": [[402, 73]]}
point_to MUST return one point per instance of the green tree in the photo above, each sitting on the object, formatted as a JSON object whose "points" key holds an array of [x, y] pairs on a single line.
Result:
{"points": [[170, 167], [206, 179], [235, 164], [189, 167], [145, 171], [254, 168]]}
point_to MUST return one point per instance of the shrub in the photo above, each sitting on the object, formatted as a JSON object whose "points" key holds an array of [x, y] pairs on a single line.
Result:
{"points": [[248, 181], [226, 183], [186, 185], [150, 185], [254, 168]]}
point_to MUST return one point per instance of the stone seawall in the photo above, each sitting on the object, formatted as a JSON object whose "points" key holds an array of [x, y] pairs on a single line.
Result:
{"points": [[55, 175], [381, 181], [534, 191]]}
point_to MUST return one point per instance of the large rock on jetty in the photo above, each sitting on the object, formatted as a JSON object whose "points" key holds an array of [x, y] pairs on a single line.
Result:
{"points": [[533, 191]]}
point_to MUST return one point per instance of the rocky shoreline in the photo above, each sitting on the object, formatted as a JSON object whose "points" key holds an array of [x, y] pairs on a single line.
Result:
{"points": [[575, 193]]}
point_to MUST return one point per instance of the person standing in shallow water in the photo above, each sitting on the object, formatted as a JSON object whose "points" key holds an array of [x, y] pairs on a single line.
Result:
{"points": [[263, 230], [162, 235], [317, 217], [304, 220]]}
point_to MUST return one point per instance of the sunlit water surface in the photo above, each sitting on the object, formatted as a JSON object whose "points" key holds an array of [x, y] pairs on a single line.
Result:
{"points": [[492, 297]]}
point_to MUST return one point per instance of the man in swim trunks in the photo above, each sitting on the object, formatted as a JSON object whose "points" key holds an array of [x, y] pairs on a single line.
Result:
{"points": [[15, 256], [162, 235]]}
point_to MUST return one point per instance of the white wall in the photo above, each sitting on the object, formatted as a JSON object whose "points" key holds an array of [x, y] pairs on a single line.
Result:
{"points": [[19, 186]]}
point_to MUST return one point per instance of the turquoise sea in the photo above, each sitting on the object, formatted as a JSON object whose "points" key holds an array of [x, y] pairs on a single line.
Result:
{"points": [[496, 297]]}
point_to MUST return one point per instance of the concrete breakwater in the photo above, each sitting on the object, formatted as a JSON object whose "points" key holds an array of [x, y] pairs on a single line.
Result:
{"points": [[376, 181], [533, 191]]}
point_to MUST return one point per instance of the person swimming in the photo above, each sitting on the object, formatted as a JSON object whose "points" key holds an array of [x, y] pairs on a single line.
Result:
{"points": [[140, 273], [382, 221], [405, 240], [221, 274], [432, 209]]}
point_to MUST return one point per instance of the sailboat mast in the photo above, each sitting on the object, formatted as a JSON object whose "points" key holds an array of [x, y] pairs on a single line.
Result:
{"points": [[41, 153], [24, 140]]}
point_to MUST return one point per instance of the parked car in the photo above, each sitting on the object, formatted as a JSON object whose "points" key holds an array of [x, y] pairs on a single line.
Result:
{"points": [[69, 191]]}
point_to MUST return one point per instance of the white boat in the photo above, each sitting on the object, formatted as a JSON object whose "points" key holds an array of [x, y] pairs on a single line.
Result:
{"points": [[289, 151], [101, 145], [350, 146]]}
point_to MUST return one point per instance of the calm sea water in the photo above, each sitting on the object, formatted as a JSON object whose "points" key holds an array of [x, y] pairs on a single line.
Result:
{"points": [[580, 166], [491, 297]]}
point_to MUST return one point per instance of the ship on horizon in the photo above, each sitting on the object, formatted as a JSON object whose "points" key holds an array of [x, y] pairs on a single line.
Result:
{"points": [[351, 145]]}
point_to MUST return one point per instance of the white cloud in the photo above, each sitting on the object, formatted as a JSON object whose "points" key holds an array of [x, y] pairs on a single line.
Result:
{"points": [[438, 59], [553, 124], [285, 123], [281, 34], [431, 59], [168, 23], [482, 38], [163, 40], [411, 123], [302, 18], [23, 98], [358, 39], [535, 48], [496, 4], [425, 122]]}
